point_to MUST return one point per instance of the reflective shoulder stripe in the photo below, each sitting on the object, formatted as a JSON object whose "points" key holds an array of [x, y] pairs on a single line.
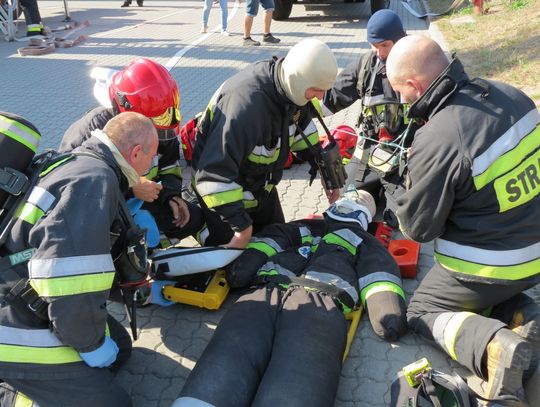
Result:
{"points": [[508, 141], [55, 165], [70, 266], [446, 329], [20, 133], [485, 256], [266, 245], [378, 287], [376, 277], [39, 202], [334, 280], [345, 238]]}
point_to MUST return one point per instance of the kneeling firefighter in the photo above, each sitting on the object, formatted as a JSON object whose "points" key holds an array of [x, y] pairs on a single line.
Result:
{"points": [[58, 267], [282, 344]]}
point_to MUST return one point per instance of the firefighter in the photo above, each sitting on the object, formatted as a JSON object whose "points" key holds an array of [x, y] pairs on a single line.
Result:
{"points": [[148, 88], [282, 343], [473, 188], [56, 339], [365, 80], [34, 26], [244, 137]]}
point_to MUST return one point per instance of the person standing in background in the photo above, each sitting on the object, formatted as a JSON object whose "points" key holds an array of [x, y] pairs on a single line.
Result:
{"points": [[224, 14]]}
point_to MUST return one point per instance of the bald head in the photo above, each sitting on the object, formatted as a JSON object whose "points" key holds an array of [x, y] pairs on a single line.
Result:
{"points": [[413, 64], [129, 129]]}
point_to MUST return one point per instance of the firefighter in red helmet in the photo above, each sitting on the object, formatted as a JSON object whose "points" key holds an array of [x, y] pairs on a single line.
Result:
{"points": [[146, 87]]}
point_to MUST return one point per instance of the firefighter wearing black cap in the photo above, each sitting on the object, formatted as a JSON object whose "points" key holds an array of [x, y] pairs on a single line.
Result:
{"points": [[243, 141], [382, 117], [69, 241], [473, 187], [282, 344]]}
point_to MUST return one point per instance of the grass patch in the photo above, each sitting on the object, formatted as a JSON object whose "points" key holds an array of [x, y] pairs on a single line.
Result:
{"points": [[502, 45]]}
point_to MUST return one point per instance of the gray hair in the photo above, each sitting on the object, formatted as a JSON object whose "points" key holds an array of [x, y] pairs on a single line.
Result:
{"points": [[128, 129]]}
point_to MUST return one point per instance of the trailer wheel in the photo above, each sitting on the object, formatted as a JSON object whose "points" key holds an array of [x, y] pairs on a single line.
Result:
{"points": [[282, 9], [377, 5]]}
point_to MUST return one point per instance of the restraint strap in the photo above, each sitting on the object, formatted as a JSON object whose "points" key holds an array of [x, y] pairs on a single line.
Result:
{"points": [[335, 292]]}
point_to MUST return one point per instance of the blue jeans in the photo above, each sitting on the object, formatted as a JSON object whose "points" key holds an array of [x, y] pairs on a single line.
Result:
{"points": [[224, 13]]}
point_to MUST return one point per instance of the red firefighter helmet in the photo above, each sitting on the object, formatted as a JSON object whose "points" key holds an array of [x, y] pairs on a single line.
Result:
{"points": [[147, 87], [346, 139]]}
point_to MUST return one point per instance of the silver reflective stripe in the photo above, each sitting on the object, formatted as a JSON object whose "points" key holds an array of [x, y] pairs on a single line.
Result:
{"points": [[506, 142], [270, 265], [371, 100], [349, 236], [334, 280], [304, 231], [488, 257], [325, 110], [439, 326], [172, 166], [41, 198], [377, 277], [70, 266], [292, 130], [27, 135], [270, 242], [42, 338], [265, 152], [248, 196], [310, 128], [190, 402], [209, 188]]}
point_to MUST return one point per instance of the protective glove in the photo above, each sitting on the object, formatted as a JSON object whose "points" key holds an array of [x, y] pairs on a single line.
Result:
{"points": [[156, 293], [145, 220], [103, 356]]}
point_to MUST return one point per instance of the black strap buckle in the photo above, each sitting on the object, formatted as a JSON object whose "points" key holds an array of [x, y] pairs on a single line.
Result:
{"points": [[12, 181]]}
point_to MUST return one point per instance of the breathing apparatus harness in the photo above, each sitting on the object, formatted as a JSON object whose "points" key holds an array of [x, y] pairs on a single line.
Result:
{"points": [[129, 249], [326, 159]]}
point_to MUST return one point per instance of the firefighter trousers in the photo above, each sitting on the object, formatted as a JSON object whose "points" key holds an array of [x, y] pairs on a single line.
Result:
{"points": [[461, 316], [164, 220], [96, 388], [273, 347]]}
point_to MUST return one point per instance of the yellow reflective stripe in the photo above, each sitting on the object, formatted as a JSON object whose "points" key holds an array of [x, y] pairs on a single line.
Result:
{"points": [[29, 213], [55, 165], [22, 401], [519, 186], [176, 171], [332, 238], [45, 356], [250, 203], [451, 331], [513, 272], [378, 287], [507, 161], [224, 197], [262, 247], [152, 173], [263, 159], [87, 283], [19, 132], [302, 145], [317, 105]]}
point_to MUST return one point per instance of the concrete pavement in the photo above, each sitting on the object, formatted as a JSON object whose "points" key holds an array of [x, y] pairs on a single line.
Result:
{"points": [[54, 90]]}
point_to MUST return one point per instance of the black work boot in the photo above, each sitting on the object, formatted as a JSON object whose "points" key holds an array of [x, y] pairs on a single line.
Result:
{"points": [[126, 3], [508, 357], [140, 3]]}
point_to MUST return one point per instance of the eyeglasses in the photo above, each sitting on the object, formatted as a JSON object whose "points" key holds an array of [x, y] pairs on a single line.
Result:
{"points": [[169, 117]]}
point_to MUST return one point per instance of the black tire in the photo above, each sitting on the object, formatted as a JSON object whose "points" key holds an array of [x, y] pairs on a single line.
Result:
{"points": [[282, 9], [377, 5]]}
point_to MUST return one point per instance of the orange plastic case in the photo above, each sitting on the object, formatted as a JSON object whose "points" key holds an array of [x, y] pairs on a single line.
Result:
{"points": [[405, 253]]}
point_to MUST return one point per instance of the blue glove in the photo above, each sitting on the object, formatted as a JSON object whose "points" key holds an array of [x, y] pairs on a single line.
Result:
{"points": [[134, 204], [156, 293], [103, 356], [145, 220]]}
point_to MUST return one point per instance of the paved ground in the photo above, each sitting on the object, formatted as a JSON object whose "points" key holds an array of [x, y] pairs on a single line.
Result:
{"points": [[54, 90]]}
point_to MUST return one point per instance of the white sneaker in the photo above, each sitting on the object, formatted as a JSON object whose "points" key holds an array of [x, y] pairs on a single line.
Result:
{"points": [[204, 30], [225, 33]]}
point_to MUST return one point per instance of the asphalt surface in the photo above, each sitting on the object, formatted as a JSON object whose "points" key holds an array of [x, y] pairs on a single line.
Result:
{"points": [[54, 90]]}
